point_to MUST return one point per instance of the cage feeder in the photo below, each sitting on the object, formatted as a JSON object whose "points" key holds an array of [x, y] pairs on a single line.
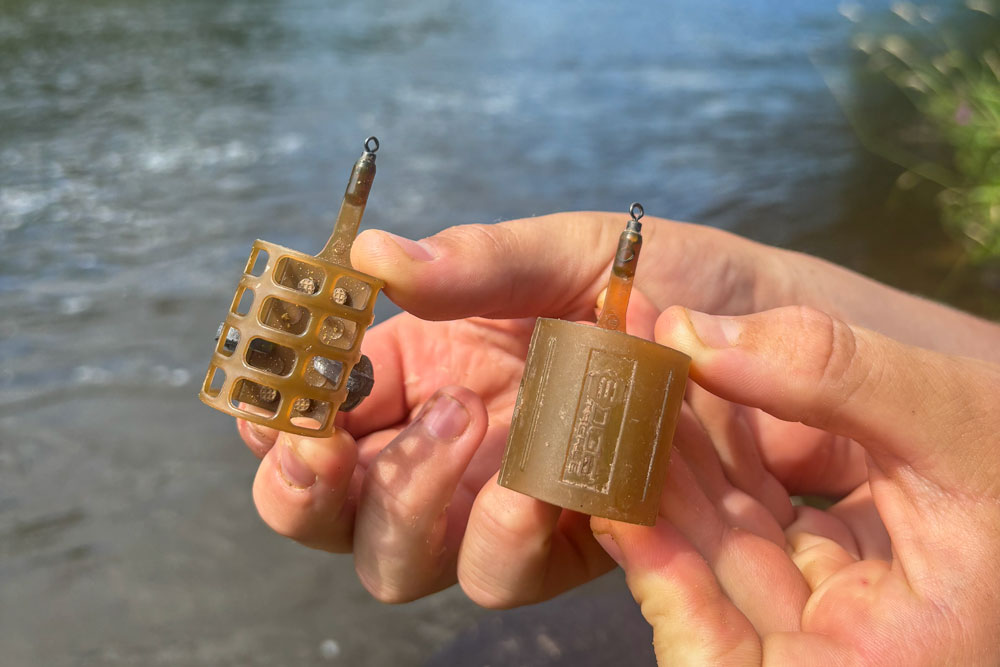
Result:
{"points": [[288, 354]]}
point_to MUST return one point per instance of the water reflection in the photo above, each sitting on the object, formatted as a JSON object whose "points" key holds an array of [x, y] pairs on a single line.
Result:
{"points": [[143, 146]]}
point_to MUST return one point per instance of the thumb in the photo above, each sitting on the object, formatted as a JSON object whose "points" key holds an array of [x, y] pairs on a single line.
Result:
{"points": [[930, 412], [524, 268]]}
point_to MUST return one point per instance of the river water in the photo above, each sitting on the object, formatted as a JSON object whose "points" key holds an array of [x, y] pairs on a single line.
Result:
{"points": [[143, 146]]}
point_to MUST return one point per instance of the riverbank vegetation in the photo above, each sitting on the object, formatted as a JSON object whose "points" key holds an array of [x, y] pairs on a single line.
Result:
{"points": [[944, 64]]}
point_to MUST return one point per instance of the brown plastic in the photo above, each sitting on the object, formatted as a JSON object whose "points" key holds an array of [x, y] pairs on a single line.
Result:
{"points": [[594, 421], [596, 411], [616, 297], [293, 311]]}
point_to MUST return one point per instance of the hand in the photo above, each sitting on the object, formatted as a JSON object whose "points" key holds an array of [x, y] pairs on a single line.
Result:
{"points": [[405, 500], [407, 530], [898, 572]]}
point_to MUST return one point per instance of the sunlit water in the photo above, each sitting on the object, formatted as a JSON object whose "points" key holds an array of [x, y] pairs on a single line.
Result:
{"points": [[143, 146]]}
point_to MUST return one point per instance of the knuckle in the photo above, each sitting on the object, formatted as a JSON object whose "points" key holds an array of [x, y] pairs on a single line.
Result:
{"points": [[399, 563], [257, 438], [481, 585], [506, 523], [393, 499], [486, 244], [501, 555], [382, 590], [827, 357], [396, 568], [494, 239]]}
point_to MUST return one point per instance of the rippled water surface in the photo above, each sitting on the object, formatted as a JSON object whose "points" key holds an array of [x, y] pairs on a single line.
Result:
{"points": [[143, 146]]}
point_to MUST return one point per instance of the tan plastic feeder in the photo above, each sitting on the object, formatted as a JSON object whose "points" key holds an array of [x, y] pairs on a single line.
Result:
{"points": [[596, 410], [290, 345]]}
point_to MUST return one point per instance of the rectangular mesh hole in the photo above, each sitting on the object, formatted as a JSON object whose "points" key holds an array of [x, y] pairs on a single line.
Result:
{"points": [[213, 381], [283, 315], [352, 293], [243, 301], [299, 276], [228, 338], [270, 357], [257, 263], [338, 332], [255, 398], [310, 413], [323, 372]]}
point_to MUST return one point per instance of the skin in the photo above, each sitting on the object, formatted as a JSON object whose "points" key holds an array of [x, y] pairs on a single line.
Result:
{"points": [[891, 575], [418, 505]]}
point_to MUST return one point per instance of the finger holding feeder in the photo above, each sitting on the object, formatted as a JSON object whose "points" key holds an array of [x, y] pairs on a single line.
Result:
{"points": [[290, 345], [596, 411]]}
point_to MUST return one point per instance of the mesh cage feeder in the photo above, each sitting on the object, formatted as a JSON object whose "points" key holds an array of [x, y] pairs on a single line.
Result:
{"points": [[596, 411], [290, 345]]}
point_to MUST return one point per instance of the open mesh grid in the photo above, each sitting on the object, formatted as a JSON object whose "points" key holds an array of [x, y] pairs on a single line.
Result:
{"points": [[291, 337]]}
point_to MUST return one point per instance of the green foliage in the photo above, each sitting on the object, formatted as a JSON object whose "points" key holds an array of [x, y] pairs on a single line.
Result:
{"points": [[949, 69]]}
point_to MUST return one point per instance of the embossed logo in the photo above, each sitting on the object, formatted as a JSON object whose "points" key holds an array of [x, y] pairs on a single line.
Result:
{"points": [[597, 426]]}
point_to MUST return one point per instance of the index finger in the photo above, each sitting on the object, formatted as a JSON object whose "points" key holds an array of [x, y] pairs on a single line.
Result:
{"points": [[548, 266]]}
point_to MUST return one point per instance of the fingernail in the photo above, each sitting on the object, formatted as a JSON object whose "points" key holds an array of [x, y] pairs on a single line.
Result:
{"points": [[294, 470], [601, 297], [715, 331], [446, 418], [422, 252], [608, 543]]}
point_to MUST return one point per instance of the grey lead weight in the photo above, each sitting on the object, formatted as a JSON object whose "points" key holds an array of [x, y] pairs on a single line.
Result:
{"points": [[232, 338]]}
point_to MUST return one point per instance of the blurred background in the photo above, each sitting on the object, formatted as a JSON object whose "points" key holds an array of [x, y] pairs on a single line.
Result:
{"points": [[145, 145]]}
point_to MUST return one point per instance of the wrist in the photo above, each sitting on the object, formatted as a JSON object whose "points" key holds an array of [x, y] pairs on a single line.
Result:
{"points": [[783, 278], [911, 319]]}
